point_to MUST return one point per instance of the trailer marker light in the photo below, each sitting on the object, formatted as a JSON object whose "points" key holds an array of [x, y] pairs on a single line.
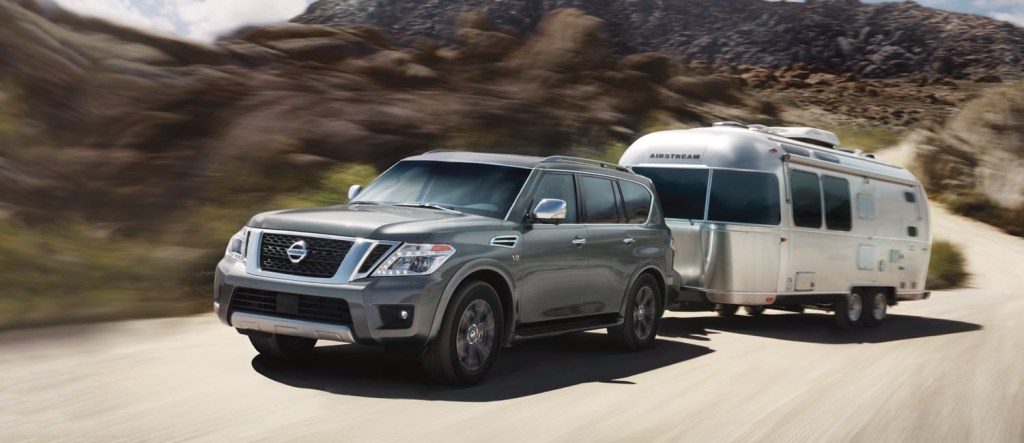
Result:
{"points": [[769, 299]]}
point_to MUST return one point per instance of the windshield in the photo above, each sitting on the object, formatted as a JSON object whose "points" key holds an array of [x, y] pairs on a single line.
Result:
{"points": [[473, 188]]}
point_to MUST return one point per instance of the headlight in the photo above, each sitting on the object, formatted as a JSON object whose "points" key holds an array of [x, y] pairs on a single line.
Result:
{"points": [[237, 245], [415, 259]]}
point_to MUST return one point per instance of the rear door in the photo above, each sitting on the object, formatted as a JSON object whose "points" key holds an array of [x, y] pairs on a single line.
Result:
{"points": [[609, 244]]}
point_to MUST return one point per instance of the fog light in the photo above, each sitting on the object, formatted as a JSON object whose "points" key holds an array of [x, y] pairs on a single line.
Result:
{"points": [[396, 316]]}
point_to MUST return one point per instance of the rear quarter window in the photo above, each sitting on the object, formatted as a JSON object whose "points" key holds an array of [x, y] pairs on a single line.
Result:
{"points": [[637, 201]]}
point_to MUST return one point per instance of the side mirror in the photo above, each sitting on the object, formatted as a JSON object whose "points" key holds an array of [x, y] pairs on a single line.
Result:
{"points": [[353, 191], [550, 210]]}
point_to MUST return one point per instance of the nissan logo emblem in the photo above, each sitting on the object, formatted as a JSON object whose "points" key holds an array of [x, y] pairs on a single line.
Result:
{"points": [[297, 251]]}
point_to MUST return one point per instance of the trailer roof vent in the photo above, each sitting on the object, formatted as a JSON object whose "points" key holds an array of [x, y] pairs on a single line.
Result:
{"points": [[729, 124], [813, 136]]}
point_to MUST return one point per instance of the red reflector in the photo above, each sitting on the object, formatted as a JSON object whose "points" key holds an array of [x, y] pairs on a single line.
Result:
{"points": [[769, 299], [441, 248]]}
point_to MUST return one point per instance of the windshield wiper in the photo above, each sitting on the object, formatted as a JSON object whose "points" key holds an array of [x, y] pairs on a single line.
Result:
{"points": [[428, 206]]}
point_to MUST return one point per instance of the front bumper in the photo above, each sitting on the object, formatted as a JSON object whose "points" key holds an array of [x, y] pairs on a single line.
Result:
{"points": [[363, 296]]}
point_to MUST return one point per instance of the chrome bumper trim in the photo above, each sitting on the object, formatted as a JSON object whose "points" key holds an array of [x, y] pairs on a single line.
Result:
{"points": [[297, 328]]}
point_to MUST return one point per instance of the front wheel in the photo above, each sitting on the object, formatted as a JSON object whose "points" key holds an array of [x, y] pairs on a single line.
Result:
{"points": [[643, 313], [849, 310], [282, 347], [467, 346]]}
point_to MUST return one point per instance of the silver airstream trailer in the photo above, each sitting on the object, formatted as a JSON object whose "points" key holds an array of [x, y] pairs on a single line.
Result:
{"points": [[784, 218]]}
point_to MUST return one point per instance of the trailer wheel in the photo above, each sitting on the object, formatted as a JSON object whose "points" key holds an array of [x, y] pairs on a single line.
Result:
{"points": [[849, 310], [726, 310], [754, 310], [878, 306]]}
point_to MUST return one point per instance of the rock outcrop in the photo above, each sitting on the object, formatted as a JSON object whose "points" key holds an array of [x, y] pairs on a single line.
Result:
{"points": [[843, 36]]}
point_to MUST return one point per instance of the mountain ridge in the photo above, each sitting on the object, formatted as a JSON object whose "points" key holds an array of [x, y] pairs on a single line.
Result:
{"points": [[844, 36]]}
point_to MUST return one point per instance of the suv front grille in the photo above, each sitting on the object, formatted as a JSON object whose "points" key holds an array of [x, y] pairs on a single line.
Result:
{"points": [[323, 256], [293, 306]]}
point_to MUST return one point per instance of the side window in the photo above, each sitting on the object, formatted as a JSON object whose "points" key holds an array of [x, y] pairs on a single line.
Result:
{"points": [[744, 197], [806, 199], [837, 203], [682, 191], [558, 186], [599, 199], [637, 200]]}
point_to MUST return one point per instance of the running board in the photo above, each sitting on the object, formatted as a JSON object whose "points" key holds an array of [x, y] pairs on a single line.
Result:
{"points": [[559, 327]]}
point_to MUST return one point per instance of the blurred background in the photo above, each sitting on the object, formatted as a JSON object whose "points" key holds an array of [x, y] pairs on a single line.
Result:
{"points": [[133, 144]]}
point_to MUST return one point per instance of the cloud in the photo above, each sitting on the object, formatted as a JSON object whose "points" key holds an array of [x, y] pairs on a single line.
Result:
{"points": [[1016, 17], [122, 12], [201, 20], [205, 20]]}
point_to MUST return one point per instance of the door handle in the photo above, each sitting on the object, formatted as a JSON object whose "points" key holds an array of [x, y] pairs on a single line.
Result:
{"points": [[629, 241], [579, 241]]}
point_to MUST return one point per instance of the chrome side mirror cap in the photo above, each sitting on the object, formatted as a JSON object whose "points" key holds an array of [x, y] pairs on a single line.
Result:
{"points": [[550, 210], [353, 191]]}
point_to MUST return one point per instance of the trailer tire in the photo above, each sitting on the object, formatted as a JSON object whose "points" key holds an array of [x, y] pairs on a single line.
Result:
{"points": [[754, 311], [726, 310], [849, 310], [877, 308]]}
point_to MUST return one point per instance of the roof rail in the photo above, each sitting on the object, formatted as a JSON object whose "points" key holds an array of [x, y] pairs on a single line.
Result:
{"points": [[584, 161]]}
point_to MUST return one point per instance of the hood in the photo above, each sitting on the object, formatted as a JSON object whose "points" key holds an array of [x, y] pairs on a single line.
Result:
{"points": [[371, 221]]}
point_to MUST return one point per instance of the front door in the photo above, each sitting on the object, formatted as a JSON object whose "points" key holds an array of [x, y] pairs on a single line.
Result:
{"points": [[554, 258]]}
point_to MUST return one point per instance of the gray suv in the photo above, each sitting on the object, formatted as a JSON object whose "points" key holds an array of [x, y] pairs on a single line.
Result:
{"points": [[454, 255]]}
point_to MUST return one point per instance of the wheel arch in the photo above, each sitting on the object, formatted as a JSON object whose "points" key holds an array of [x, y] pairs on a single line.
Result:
{"points": [[659, 277], [492, 273]]}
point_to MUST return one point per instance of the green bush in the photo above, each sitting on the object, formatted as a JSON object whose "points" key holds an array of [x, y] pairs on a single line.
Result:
{"points": [[946, 270]]}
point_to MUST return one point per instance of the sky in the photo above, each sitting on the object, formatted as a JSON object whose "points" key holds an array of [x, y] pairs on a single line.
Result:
{"points": [[205, 20]]}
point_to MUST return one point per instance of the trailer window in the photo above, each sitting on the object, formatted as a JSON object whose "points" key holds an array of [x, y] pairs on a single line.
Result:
{"points": [[682, 191], [744, 197], [806, 199], [637, 200], [837, 203]]}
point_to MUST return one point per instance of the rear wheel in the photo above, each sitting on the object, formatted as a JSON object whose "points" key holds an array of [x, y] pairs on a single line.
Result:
{"points": [[643, 313], [878, 307], [467, 346], [754, 310], [849, 310], [282, 347], [726, 310]]}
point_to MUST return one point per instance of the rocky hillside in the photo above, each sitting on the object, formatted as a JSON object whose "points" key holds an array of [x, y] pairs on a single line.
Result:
{"points": [[844, 36]]}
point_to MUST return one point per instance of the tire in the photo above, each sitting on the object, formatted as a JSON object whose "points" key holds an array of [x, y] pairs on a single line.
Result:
{"points": [[467, 346], [726, 310], [849, 310], [877, 308], [282, 347], [643, 315], [754, 310]]}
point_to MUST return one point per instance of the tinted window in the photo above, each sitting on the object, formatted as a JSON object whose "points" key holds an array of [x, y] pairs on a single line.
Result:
{"points": [[909, 197], [744, 197], [558, 186], [487, 190], [682, 192], [837, 203], [806, 199], [637, 201], [599, 199]]}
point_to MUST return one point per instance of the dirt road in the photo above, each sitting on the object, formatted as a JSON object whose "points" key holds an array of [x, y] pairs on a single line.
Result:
{"points": [[946, 369]]}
